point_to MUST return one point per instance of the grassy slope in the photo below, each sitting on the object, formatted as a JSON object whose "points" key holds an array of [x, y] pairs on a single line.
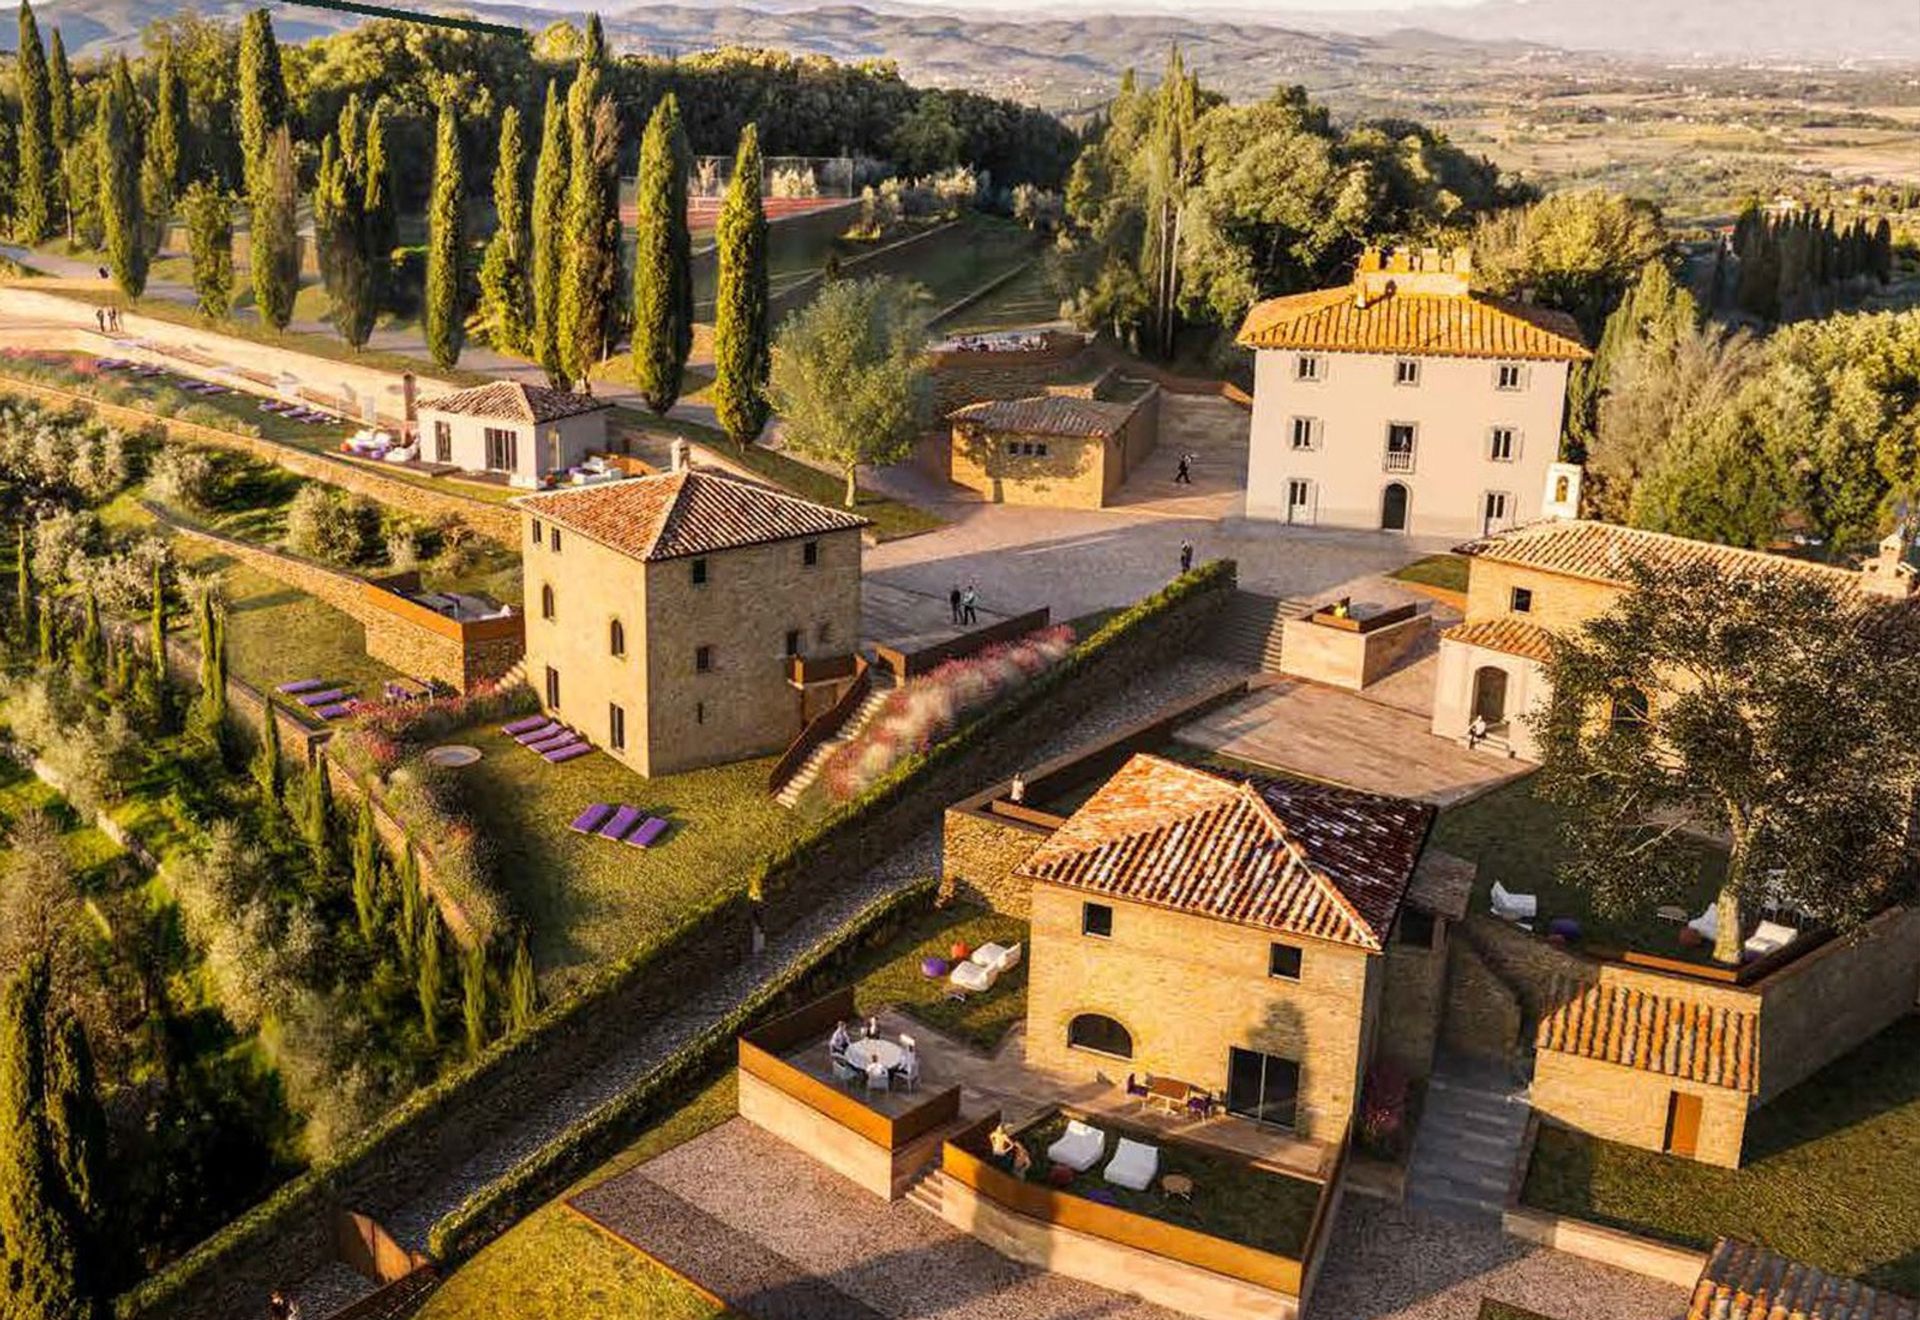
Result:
{"points": [[1448, 572], [890, 976], [1829, 1178]]}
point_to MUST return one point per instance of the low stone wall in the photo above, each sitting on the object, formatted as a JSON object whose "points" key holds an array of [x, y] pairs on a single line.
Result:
{"points": [[1679, 1266], [979, 853], [1351, 660], [1412, 1002], [1828, 1001], [1483, 1017]]}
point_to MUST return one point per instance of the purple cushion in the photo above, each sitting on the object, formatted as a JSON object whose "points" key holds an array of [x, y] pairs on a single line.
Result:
{"points": [[623, 820], [557, 739], [650, 830], [1565, 927], [335, 711], [933, 967], [545, 729], [302, 685], [589, 820], [568, 752], [326, 698], [521, 726]]}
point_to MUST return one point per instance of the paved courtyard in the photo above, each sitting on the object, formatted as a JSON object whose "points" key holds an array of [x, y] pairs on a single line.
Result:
{"points": [[780, 1237]]}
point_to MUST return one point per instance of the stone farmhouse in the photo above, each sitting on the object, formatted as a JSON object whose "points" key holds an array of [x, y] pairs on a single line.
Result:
{"points": [[520, 432], [1244, 936], [1058, 450], [1551, 577], [1741, 1281], [688, 618], [1404, 401]]}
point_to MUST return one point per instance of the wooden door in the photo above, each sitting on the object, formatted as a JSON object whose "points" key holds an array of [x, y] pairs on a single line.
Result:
{"points": [[1683, 1124]]}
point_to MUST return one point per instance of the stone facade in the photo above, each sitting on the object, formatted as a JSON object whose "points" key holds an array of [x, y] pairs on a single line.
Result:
{"points": [[1825, 1003], [1349, 658], [1412, 1000], [1189, 987], [676, 715], [979, 855], [1627, 1105], [1013, 465]]}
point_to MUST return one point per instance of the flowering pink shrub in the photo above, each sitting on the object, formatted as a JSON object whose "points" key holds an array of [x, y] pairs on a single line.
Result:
{"points": [[924, 710], [386, 734], [1383, 1110]]}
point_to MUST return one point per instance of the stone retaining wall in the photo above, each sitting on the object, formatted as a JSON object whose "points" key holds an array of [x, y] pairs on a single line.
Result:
{"points": [[979, 855]]}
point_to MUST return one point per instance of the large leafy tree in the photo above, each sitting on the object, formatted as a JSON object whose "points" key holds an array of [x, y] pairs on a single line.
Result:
{"points": [[262, 95], [850, 375], [1577, 251], [274, 253], [39, 186], [742, 339], [1762, 708], [551, 174], [506, 285], [662, 260], [120, 161], [446, 245], [590, 243]]}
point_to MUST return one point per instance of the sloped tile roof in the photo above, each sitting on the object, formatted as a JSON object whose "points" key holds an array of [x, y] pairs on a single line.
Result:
{"points": [[693, 511], [1305, 859], [1745, 1282], [1048, 415], [1420, 324], [1601, 552], [1511, 636], [511, 401], [1665, 1034]]}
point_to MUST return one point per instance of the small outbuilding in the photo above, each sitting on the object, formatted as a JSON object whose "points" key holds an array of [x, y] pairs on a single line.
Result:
{"points": [[522, 432], [1059, 450]]}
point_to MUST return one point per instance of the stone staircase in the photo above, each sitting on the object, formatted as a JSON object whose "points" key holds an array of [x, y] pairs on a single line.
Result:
{"points": [[1468, 1142], [1248, 630], [882, 680], [515, 676], [927, 1190]]}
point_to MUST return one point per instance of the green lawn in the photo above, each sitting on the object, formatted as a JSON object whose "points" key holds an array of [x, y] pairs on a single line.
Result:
{"points": [[1516, 838], [556, 1265], [589, 900], [1448, 572], [87, 848], [1829, 1178], [890, 975], [1254, 1207], [1023, 300]]}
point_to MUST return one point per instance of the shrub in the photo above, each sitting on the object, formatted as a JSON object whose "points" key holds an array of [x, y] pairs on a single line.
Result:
{"points": [[185, 476], [334, 526], [1383, 1111], [797, 181]]}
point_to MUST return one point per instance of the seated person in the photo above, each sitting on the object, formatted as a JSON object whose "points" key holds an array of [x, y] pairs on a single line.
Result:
{"points": [[1008, 1153], [1022, 1162], [838, 1042]]}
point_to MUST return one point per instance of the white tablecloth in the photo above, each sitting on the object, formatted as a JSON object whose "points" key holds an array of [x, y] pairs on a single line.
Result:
{"points": [[866, 1054]]}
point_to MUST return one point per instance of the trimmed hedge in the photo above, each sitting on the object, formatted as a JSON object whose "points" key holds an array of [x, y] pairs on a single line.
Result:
{"points": [[541, 1176]]}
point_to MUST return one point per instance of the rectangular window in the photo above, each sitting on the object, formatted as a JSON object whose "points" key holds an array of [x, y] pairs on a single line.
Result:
{"points": [[1283, 961], [810, 553], [1503, 445], [1307, 367], [1013, 448], [1262, 1087], [616, 726], [1416, 928], [1041, 449], [699, 712], [553, 688], [1096, 919], [1406, 371], [1521, 600], [700, 571], [1509, 376], [503, 449], [553, 539], [443, 442], [793, 641], [1401, 437], [1306, 433], [702, 659], [538, 535]]}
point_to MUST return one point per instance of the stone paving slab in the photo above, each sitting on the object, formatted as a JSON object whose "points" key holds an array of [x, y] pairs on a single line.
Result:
{"points": [[813, 1234]]}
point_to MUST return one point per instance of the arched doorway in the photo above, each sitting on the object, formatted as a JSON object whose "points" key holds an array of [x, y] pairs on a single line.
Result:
{"points": [[1101, 1034], [1490, 695], [1393, 507]]}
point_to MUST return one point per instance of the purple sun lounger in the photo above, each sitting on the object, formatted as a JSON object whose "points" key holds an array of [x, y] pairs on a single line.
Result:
{"points": [[518, 727], [327, 698], [531, 736], [589, 820], [649, 832], [336, 710], [298, 686], [568, 752], [555, 741], [623, 820]]}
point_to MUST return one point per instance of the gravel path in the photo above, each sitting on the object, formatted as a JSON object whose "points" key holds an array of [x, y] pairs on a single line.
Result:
{"points": [[654, 1041]]}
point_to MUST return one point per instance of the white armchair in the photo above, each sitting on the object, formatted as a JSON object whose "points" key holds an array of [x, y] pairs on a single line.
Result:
{"points": [[1509, 906], [1769, 937], [1080, 1149], [1707, 924], [977, 974], [1133, 1165]]}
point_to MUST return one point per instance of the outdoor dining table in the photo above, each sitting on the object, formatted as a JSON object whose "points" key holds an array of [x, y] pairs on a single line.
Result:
{"points": [[876, 1058], [1168, 1093]]}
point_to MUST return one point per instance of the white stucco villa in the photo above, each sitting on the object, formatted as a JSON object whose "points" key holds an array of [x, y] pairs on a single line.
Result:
{"points": [[1406, 402], [522, 432]]}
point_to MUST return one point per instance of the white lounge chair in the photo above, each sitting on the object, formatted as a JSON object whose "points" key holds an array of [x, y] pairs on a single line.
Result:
{"points": [[1080, 1149], [1133, 1165], [977, 974], [1768, 937], [1707, 924], [1509, 906]]}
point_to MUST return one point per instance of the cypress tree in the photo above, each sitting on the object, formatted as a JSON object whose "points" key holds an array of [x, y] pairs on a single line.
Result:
{"points": [[549, 200], [316, 818], [49, 632], [166, 163], [382, 231], [209, 214], [593, 54], [366, 871], [506, 289], [59, 91], [266, 760], [77, 1146], [275, 252], [342, 229], [40, 1262], [742, 345], [86, 643], [120, 164], [446, 244], [473, 998], [23, 586], [523, 994], [408, 882], [662, 259], [157, 621], [427, 983], [38, 187], [590, 269], [263, 97]]}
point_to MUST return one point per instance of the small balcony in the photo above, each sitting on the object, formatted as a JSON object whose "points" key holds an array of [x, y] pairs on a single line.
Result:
{"points": [[804, 671], [1397, 459]]}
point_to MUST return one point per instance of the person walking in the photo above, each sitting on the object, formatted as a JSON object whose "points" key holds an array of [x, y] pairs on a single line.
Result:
{"points": [[1183, 475], [969, 605], [282, 1307], [953, 602], [1186, 556], [100, 318]]}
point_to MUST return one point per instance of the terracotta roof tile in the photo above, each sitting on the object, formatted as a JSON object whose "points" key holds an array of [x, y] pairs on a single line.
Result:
{"points": [[1601, 552], [1048, 415], [1511, 636], [1665, 1034], [1424, 324], [1307, 859], [1745, 1282], [690, 512], [509, 400]]}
